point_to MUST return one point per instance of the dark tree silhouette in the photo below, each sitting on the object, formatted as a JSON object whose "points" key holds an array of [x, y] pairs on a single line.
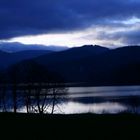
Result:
{"points": [[3, 88], [14, 85], [36, 87]]}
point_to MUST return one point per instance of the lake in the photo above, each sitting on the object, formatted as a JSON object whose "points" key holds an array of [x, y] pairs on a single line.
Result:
{"points": [[101, 100]]}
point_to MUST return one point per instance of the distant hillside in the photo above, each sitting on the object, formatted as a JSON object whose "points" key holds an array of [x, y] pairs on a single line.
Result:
{"points": [[3, 54], [29, 54], [65, 61], [8, 59], [28, 71], [71, 55], [93, 64], [16, 47]]}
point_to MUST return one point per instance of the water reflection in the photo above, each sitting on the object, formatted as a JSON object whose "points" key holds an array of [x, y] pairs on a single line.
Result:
{"points": [[98, 108], [104, 91], [99, 100], [102, 100]]}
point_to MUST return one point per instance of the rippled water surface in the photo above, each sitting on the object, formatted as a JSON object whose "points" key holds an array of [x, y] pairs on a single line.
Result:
{"points": [[101, 100]]}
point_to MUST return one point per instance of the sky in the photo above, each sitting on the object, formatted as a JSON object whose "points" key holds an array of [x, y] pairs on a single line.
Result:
{"points": [[111, 23]]}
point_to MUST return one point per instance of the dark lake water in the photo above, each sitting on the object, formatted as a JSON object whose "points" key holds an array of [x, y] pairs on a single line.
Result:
{"points": [[99, 100]]}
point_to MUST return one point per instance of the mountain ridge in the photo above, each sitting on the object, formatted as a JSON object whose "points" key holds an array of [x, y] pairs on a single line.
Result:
{"points": [[9, 59], [16, 47], [93, 64]]}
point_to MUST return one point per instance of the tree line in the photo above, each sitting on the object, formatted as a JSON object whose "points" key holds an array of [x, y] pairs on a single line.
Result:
{"points": [[31, 88]]}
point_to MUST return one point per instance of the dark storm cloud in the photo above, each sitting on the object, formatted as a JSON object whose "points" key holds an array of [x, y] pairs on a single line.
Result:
{"points": [[29, 17], [132, 38], [126, 37]]}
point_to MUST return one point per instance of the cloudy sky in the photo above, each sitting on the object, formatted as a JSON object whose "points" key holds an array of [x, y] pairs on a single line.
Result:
{"points": [[70, 22]]}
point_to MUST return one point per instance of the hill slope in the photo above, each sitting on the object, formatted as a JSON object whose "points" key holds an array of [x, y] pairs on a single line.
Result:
{"points": [[8, 59], [16, 47], [94, 64]]}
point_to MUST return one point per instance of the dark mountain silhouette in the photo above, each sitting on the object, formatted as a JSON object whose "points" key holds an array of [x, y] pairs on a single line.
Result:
{"points": [[16, 47], [28, 72], [4, 56], [123, 65], [94, 64], [71, 55], [8, 59], [71, 64], [112, 67], [29, 54]]}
